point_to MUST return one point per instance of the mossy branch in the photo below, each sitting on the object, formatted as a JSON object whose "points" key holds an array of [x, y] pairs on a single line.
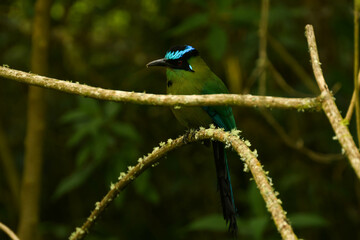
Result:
{"points": [[161, 100], [332, 112], [232, 139]]}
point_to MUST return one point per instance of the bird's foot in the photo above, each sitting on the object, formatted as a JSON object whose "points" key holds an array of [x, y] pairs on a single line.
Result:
{"points": [[189, 134]]}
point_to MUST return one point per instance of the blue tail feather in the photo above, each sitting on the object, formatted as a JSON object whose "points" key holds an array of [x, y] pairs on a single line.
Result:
{"points": [[223, 118], [224, 186]]}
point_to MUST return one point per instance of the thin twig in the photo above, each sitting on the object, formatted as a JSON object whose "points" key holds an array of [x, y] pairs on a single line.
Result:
{"points": [[352, 104], [330, 108], [298, 144], [262, 61], [356, 67], [232, 139], [161, 100], [8, 231], [292, 62], [282, 82], [9, 166]]}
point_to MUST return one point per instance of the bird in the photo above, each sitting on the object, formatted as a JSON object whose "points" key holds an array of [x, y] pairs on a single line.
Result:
{"points": [[188, 74]]}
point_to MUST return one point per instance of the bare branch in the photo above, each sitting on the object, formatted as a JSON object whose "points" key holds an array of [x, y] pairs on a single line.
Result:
{"points": [[352, 103], [8, 231], [161, 100], [293, 64], [356, 67], [9, 167], [298, 144], [263, 182], [329, 106], [30, 189], [263, 60]]}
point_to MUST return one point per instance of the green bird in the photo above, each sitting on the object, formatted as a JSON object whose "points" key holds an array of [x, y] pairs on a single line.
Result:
{"points": [[188, 74]]}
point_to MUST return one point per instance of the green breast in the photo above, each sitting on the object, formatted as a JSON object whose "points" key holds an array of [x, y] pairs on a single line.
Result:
{"points": [[202, 81], [179, 83]]}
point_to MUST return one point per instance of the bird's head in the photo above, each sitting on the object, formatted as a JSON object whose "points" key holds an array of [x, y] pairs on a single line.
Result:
{"points": [[177, 58]]}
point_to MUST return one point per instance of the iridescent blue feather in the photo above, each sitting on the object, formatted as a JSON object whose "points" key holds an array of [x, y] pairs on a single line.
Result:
{"points": [[179, 53]]}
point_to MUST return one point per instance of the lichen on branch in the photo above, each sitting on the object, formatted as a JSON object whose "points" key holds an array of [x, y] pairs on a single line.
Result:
{"points": [[161, 100], [273, 203]]}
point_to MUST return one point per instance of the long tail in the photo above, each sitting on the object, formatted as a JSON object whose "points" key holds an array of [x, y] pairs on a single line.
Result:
{"points": [[224, 186]]}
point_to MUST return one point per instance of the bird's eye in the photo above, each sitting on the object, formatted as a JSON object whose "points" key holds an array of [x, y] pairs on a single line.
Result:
{"points": [[179, 62]]}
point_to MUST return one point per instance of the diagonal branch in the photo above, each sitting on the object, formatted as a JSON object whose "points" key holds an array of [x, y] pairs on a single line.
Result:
{"points": [[330, 108], [356, 67], [232, 139], [161, 100], [8, 231], [352, 103], [298, 144], [293, 64]]}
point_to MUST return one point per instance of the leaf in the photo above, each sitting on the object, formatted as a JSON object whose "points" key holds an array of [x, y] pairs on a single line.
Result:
{"points": [[211, 222], [216, 42], [77, 136], [83, 154], [125, 130], [254, 227], [191, 23], [302, 220], [245, 15], [100, 144], [224, 4], [73, 181], [72, 116], [90, 106], [144, 188], [255, 201], [257, 226], [111, 109]]}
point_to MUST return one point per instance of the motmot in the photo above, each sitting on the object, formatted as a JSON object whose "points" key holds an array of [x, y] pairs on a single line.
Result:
{"points": [[188, 74]]}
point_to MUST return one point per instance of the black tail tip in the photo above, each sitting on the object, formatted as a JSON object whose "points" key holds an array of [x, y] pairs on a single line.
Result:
{"points": [[233, 228]]}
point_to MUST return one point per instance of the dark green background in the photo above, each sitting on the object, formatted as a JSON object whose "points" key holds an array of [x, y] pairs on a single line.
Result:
{"points": [[89, 142]]}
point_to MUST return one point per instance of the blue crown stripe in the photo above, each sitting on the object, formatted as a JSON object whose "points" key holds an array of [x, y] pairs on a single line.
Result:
{"points": [[178, 54]]}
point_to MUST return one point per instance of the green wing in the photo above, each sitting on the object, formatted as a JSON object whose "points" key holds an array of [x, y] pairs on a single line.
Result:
{"points": [[222, 116]]}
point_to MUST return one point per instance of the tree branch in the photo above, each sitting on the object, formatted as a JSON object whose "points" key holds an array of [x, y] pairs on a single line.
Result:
{"points": [[30, 189], [293, 64], [8, 231], [329, 106], [352, 103], [298, 144], [9, 166], [356, 67], [161, 100], [263, 60], [232, 139]]}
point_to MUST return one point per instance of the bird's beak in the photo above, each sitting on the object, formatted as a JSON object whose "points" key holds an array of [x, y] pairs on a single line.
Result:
{"points": [[159, 62]]}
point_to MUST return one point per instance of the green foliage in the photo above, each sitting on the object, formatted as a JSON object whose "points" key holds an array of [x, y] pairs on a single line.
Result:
{"points": [[74, 181], [96, 132], [192, 23], [254, 227], [307, 220], [210, 223], [145, 188], [216, 42]]}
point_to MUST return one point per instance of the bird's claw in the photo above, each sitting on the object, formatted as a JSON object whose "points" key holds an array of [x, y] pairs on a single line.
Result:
{"points": [[189, 134]]}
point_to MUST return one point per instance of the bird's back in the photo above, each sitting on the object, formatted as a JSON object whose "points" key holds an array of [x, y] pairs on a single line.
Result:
{"points": [[201, 81]]}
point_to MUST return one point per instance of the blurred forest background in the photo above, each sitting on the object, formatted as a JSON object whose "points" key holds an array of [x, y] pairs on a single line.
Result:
{"points": [[87, 143]]}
